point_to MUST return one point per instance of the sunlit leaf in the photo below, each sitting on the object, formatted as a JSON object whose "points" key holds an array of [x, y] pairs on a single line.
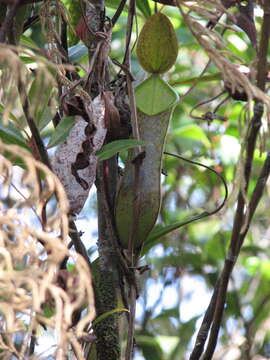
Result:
{"points": [[193, 132], [143, 6], [154, 96], [157, 233], [116, 146]]}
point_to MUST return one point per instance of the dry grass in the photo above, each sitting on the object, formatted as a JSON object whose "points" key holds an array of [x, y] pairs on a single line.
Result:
{"points": [[33, 243]]}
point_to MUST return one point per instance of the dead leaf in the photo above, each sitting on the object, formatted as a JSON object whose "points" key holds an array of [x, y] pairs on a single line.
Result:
{"points": [[112, 117], [245, 20], [74, 161]]}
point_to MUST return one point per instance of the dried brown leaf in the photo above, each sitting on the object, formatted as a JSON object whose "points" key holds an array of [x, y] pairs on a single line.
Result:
{"points": [[74, 161]]}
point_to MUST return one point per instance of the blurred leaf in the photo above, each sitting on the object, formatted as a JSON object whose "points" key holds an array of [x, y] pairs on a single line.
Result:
{"points": [[46, 118], [150, 347], [39, 95], [174, 312], [193, 132], [11, 135], [61, 131], [26, 40], [114, 147], [77, 52], [158, 232], [143, 6], [48, 311], [252, 264], [10, 114]]}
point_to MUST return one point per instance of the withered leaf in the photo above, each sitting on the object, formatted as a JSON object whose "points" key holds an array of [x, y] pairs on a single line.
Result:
{"points": [[112, 117], [74, 161], [245, 20]]}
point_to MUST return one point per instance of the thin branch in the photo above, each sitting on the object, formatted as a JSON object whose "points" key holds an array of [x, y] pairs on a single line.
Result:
{"points": [[136, 135], [237, 237], [77, 242], [32, 125], [205, 326], [256, 197], [127, 62], [118, 12]]}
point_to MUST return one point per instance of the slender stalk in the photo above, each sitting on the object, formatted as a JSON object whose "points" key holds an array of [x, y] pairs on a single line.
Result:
{"points": [[106, 278], [32, 125], [237, 237]]}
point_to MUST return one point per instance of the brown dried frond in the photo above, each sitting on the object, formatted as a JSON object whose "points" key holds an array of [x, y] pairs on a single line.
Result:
{"points": [[33, 244], [212, 43]]}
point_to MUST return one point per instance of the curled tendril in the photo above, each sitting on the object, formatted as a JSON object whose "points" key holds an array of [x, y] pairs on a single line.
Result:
{"points": [[212, 170]]}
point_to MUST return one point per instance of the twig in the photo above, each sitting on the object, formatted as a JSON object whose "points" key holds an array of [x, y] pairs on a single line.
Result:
{"points": [[77, 242], [208, 213], [257, 311], [118, 11], [131, 95], [136, 135], [130, 337], [205, 326], [32, 125], [237, 238], [256, 197]]}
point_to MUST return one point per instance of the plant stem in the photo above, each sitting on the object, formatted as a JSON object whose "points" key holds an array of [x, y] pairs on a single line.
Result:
{"points": [[106, 278], [216, 308]]}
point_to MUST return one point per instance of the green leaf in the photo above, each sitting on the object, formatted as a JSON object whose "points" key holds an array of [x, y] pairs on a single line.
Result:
{"points": [[143, 6], [39, 95], [45, 118], [116, 146], [107, 314], [61, 131], [26, 40], [48, 311], [71, 267], [77, 52], [159, 231], [154, 96], [27, 60], [193, 132], [150, 347], [10, 134]]}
